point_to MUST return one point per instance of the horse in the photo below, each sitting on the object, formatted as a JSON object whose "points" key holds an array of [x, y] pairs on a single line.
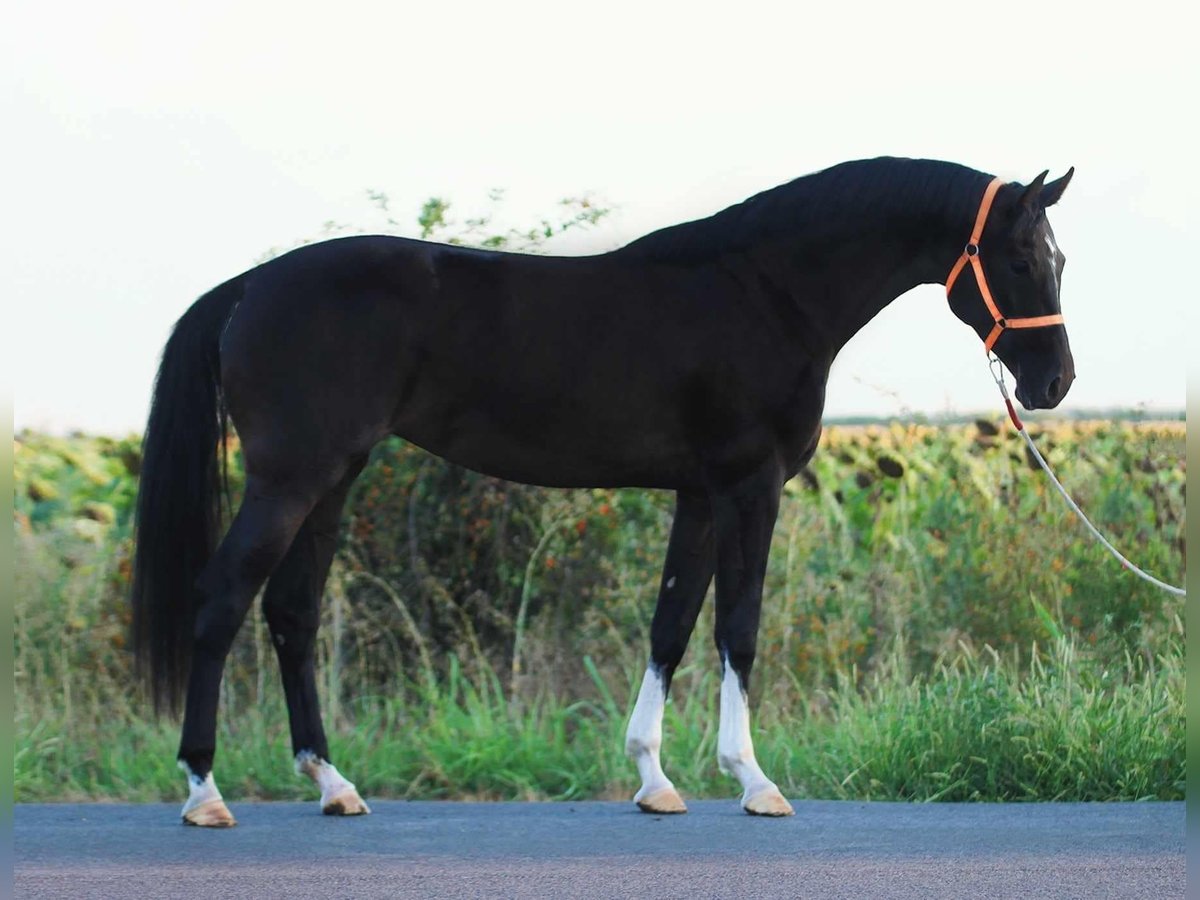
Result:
{"points": [[693, 359]]}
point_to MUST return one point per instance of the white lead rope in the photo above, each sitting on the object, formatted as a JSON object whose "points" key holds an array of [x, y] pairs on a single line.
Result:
{"points": [[997, 370]]}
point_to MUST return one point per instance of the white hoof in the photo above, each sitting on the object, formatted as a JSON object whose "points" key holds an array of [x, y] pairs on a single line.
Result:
{"points": [[767, 802], [339, 797], [212, 814], [204, 805], [347, 803], [663, 801]]}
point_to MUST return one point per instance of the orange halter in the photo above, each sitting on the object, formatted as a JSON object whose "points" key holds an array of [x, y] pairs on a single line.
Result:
{"points": [[971, 253]]}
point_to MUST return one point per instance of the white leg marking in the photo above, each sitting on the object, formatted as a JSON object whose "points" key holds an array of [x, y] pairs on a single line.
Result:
{"points": [[643, 740], [735, 752], [204, 805], [338, 796]]}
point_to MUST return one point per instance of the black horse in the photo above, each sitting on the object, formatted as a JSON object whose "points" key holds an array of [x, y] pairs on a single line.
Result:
{"points": [[693, 359]]}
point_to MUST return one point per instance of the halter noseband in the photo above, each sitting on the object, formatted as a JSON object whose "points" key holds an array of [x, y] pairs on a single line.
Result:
{"points": [[971, 254]]}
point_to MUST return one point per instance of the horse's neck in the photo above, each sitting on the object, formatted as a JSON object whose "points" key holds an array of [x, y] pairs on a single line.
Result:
{"points": [[839, 247], [893, 272], [856, 279]]}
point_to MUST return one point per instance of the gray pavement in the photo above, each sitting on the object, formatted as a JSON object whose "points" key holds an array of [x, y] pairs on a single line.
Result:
{"points": [[593, 849]]}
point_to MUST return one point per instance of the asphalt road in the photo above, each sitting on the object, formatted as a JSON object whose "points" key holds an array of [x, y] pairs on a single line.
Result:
{"points": [[605, 850]]}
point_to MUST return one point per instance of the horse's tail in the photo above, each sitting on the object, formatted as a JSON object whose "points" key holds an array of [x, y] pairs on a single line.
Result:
{"points": [[178, 513]]}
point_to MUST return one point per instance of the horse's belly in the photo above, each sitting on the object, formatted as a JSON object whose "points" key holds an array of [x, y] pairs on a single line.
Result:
{"points": [[556, 444]]}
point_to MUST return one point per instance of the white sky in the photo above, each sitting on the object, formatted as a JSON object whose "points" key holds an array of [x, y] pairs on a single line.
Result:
{"points": [[152, 152]]}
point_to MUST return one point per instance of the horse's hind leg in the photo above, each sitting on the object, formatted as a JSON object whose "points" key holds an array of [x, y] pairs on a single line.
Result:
{"points": [[686, 575], [262, 530], [292, 606]]}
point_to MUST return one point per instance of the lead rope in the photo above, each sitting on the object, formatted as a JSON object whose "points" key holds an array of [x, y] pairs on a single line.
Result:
{"points": [[997, 370]]}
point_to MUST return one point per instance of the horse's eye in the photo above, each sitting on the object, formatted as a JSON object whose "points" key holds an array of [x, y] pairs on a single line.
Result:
{"points": [[1020, 266]]}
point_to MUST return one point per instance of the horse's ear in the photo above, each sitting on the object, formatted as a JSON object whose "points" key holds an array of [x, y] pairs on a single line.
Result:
{"points": [[1029, 199], [1054, 190]]}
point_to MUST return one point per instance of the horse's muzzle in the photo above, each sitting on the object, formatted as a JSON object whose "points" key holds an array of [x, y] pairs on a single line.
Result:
{"points": [[1045, 392]]}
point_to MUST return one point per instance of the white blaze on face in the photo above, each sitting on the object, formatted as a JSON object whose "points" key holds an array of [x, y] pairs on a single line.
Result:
{"points": [[643, 738], [200, 790], [324, 774], [1053, 248], [735, 751]]}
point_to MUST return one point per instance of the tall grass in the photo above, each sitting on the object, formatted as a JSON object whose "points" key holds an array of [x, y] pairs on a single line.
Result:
{"points": [[486, 640], [976, 729]]}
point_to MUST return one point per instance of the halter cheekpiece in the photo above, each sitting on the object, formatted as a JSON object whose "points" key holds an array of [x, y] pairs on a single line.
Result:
{"points": [[971, 254]]}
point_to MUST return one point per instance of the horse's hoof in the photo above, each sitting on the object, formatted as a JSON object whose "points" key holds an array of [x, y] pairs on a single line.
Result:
{"points": [[768, 802], [213, 814], [347, 803], [665, 802]]}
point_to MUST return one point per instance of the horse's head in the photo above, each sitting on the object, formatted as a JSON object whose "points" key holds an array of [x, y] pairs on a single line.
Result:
{"points": [[1022, 266]]}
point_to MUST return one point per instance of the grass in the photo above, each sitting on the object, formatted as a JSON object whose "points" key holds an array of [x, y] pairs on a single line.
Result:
{"points": [[485, 640], [978, 728]]}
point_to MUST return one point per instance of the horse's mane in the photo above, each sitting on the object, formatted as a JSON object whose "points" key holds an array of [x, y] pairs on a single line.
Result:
{"points": [[824, 205]]}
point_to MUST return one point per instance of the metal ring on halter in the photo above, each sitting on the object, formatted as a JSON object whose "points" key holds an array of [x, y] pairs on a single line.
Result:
{"points": [[997, 367]]}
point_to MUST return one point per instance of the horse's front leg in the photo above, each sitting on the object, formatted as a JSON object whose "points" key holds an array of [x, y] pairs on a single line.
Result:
{"points": [[744, 517], [685, 579]]}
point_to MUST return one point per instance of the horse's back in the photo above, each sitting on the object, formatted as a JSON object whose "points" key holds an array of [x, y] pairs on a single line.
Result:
{"points": [[561, 371]]}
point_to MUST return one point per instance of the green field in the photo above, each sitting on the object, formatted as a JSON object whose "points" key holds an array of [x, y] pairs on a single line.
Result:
{"points": [[935, 626]]}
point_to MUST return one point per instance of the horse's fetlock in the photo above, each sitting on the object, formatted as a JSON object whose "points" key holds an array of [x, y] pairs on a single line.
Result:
{"points": [[730, 762], [640, 745]]}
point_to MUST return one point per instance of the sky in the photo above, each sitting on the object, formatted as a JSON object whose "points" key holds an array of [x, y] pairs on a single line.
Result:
{"points": [[154, 151]]}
